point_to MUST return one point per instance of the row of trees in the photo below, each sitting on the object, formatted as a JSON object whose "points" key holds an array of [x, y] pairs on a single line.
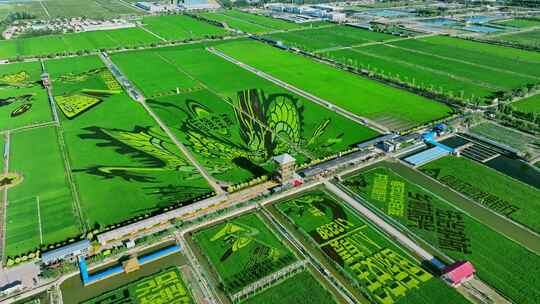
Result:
{"points": [[528, 121], [531, 45]]}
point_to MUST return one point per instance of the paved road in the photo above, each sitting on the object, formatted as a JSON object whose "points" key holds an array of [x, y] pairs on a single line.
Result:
{"points": [[402, 238], [313, 98], [307, 256]]}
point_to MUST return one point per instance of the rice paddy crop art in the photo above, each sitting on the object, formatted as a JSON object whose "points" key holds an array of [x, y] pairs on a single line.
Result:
{"points": [[242, 251], [116, 150], [23, 100], [236, 139], [82, 91], [164, 287], [452, 231], [383, 272]]}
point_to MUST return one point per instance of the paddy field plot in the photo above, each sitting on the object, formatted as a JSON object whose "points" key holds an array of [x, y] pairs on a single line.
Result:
{"points": [[40, 209], [165, 286], [389, 106], [502, 194], [23, 100], [242, 250], [301, 288], [313, 39], [31, 7], [90, 41], [502, 263], [180, 27], [519, 141], [519, 22], [379, 268], [249, 23], [528, 105], [526, 38], [234, 125], [460, 68], [99, 9], [123, 164]]}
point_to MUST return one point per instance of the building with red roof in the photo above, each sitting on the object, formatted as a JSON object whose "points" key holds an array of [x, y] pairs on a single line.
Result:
{"points": [[458, 273]]}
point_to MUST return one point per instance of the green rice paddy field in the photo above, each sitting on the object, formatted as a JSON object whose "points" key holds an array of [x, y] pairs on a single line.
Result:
{"points": [[165, 286], [301, 288], [45, 45], [180, 27], [32, 7], [358, 248], [243, 250], [42, 204], [91, 8], [524, 199], [520, 23], [453, 232], [389, 106], [234, 125], [249, 23], [314, 39], [529, 38], [455, 66], [520, 141], [528, 105], [23, 100], [124, 166]]}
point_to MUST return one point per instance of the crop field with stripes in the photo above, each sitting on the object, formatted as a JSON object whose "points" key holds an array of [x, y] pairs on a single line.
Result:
{"points": [[382, 271], [116, 151], [328, 37], [40, 208], [242, 251], [23, 100], [249, 23], [234, 126], [91, 41], [454, 66], [389, 106], [451, 230]]}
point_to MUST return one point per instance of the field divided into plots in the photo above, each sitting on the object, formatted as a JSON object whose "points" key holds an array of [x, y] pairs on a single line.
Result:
{"points": [[452, 231], [180, 27], [454, 66], [166, 286], [506, 196], [242, 251], [99, 9], [249, 23], [526, 38], [520, 23], [90, 41], [315, 39], [234, 125], [123, 164], [389, 106], [42, 204], [382, 271], [23, 100], [520, 141]]}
